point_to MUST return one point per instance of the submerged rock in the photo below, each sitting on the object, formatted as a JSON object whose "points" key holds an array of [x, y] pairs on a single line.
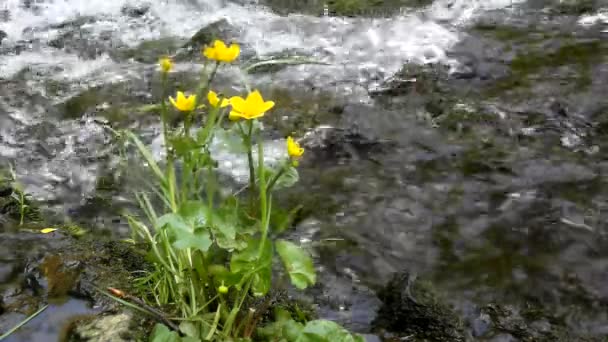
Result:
{"points": [[411, 309]]}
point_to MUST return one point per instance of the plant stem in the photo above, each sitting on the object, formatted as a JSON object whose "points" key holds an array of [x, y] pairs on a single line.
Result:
{"points": [[263, 201], [249, 144], [276, 178], [21, 207], [163, 114], [22, 323]]}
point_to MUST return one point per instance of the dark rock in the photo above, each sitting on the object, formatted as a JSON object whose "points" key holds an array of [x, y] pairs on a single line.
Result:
{"points": [[148, 51], [411, 308], [5, 15], [527, 325], [481, 325], [2, 36], [135, 11], [220, 29], [349, 8]]}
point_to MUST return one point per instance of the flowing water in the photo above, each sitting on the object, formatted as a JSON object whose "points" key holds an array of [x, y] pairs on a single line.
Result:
{"points": [[463, 140]]}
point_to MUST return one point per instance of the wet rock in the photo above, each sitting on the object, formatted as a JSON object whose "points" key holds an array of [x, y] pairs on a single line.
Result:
{"points": [[526, 326], [411, 309], [335, 143], [349, 8], [148, 51], [135, 11], [220, 29], [77, 37], [115, 328]]}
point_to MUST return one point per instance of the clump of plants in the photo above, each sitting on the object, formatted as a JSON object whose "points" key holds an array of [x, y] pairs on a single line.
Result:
{"points": [[213, 253]]}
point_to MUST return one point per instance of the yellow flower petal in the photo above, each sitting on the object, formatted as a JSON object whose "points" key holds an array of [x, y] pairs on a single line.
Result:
{"points": [[238, 103], [234, 116], [255, 97], [219, 45], [165, 64], [293, 149], [214, 100], [183, 103], [266, 106], [47, 230], [220, 52]]}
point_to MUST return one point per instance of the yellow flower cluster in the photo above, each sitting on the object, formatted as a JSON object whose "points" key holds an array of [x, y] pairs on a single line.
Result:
{"points": [[252, 107]]}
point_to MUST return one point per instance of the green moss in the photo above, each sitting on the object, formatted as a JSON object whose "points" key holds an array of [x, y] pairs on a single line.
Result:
{"points": [[149, 51], [503, 33], [582, 56], [347, 8]]}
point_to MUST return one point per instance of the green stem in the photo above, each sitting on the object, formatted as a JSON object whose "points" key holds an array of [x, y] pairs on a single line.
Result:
{"points": [[249, 144], [163, 114], [22, 323], [21, 207], [276, 178], [263, 200]]}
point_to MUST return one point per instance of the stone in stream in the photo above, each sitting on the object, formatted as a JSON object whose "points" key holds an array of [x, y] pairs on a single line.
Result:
{"points": [[220, 29], [411, 309], [135, 11], [349, 8]]}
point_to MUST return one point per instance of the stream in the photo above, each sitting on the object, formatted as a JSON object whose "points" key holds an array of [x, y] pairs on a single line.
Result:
{"points": [[463, 141]]}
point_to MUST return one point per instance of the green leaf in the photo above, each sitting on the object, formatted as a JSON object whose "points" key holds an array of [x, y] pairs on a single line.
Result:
{"points": [[187, 228], [194, 213], [298, 264], [148, 157], [281, 220], [183, 145], [289, 177], [224, 221], [250, 262], [231, 139], [325, 331], [162, 334], [189, 329], [261, 281], [249, 259], [172, 222], [200, 240]]}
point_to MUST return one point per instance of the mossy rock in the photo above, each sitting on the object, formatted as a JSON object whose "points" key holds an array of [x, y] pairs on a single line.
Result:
{"points": [[348, 8], [220, 29], [149, 51], [526, 67], [411, 308]]}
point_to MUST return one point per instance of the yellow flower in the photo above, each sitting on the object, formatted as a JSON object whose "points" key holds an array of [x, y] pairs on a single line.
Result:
{"points": [[251, 108], [293, 149], [47, 230], [214, 100], [222, 53], [183, 103], [165, 64]]}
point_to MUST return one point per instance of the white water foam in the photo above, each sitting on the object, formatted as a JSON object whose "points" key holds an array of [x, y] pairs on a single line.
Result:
{"points": [[378, 46], [601, 17]]}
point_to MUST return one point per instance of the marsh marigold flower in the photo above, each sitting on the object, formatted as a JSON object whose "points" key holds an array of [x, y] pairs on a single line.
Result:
{"points": [[183, 103], [293, 149], [165, 64], [252, 107], [214, 100], [222, 53]]}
